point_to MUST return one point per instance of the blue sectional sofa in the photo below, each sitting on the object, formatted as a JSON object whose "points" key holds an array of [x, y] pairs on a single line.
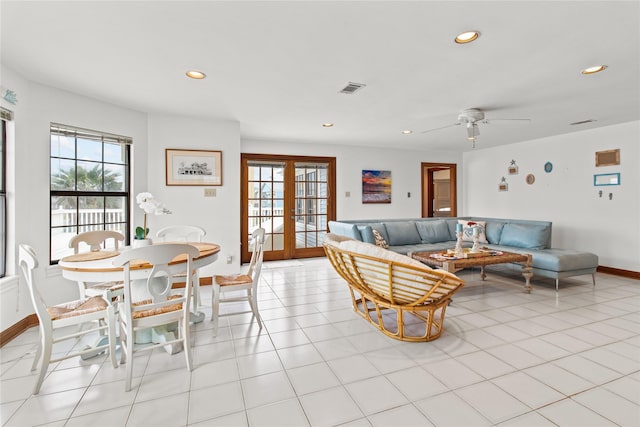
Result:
{"points": [[521, 236]]}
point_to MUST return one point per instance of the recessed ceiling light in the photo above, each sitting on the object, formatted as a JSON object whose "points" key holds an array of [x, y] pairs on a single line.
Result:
{"points": [[407, 131], [195, 74], [467, 37], [596, 69], [327, 125]]}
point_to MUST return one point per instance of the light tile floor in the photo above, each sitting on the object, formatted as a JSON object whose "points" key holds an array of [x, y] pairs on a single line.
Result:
{"points": [[505, 358]]}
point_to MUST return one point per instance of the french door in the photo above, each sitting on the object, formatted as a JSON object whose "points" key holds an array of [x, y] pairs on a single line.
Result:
{"points": [[292, 198]]}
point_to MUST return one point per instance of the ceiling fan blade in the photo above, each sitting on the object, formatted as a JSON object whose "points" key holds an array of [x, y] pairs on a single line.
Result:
{"points": [[443, 127], [491, 120]]}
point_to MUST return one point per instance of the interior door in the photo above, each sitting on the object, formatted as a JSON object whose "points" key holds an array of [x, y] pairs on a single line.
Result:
{"points": [[439, 190], [292, 198]]}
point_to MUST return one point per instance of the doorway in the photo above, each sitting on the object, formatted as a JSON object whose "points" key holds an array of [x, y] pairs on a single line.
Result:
{"points": [[439, 190], [292, 198]]}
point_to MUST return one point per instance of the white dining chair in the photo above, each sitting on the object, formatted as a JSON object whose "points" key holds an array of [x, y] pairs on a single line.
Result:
{"points": [[95, 241], [246, 284], [154, 304], [181, 233], [72, 313], [185, 233]]}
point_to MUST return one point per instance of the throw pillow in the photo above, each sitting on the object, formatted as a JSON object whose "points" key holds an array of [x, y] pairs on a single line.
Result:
{"points": [[467, 230], [380, 240]]}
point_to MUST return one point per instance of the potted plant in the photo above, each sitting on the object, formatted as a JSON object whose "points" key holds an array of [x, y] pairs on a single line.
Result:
{"points": [[149, 205]]}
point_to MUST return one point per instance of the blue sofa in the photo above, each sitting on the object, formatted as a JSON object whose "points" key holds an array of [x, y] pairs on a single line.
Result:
{"points": [[431, 234]]}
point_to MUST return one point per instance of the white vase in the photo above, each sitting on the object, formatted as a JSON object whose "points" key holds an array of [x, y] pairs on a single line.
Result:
{"points": [[138, 243]]}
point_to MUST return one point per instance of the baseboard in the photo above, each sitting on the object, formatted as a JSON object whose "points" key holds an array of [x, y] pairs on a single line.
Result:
{"points": [[204, 281], [16, 329], [619, 272]]}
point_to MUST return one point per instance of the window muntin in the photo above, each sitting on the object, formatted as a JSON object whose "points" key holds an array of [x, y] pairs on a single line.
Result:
{"points": [[89, 185]]}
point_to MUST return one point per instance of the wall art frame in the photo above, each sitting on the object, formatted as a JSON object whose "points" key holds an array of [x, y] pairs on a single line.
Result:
{"points": [[608, 158], [193, 167], [376, 186]]}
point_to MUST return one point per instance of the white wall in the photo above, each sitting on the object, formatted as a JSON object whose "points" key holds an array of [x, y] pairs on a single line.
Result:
{"points": [[566, 196], [220, 215], [351, 161], [37, 107]]}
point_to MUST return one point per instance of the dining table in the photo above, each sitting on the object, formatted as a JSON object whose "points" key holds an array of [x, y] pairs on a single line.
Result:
{"points": [[97, 266]]}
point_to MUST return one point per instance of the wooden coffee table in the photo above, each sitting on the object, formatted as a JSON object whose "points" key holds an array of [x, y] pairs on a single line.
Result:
{"points": [[452, 264]]}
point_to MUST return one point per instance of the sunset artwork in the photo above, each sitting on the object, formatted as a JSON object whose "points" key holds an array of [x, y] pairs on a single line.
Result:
{"points": [[376, 186]]}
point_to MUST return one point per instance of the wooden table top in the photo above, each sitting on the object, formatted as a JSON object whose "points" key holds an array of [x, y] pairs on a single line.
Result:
{"points": [[97, 263], [500, 258]]}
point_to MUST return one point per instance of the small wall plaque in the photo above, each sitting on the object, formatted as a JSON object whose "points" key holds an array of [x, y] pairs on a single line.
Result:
{"points": [[608, 158]]}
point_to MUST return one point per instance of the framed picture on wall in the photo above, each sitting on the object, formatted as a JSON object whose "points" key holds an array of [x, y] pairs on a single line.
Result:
{"points": [[376, 186], [193, 167]]}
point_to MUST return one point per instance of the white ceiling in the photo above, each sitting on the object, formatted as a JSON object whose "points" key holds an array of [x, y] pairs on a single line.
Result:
{"points": [[277, 67]]}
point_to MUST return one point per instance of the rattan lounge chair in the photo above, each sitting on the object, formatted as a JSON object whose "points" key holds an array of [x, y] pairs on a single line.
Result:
{"points": [[408, 298]]}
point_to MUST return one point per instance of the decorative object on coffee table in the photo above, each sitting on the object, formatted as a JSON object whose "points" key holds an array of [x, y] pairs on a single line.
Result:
{"points": [[476, 239], [453, 264], [458, 250]]}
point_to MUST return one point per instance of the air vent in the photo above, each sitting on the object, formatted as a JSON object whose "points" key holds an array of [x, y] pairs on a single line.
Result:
{"points": [[582, 122], [352, 88]]}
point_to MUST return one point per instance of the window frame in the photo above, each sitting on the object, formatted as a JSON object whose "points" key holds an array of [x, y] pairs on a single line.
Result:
{"points": [[104, 138], [3, 197]]}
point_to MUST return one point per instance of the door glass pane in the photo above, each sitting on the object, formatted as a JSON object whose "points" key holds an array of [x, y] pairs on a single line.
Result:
{"points": [[311, 200], [266, 201]]}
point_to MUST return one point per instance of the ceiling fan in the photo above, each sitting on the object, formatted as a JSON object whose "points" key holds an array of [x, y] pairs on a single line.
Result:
{"points": [[470, 117]]}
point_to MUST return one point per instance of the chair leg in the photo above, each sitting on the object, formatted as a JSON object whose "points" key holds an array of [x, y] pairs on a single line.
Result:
{"points": [[38, 354], [196, 291], [253, 302], [593, 278], [186, 342], [129, 349], [215, 306], [111, 330], [46, 345], [123, 344], [557, 281]]}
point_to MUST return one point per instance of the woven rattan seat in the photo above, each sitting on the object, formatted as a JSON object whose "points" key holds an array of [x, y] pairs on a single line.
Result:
{"points": [[234, 279], [77, 308], [156, 311], [393, 287]]}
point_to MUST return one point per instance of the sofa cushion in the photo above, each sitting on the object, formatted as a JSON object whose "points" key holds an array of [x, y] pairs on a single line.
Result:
{"points": [[433, 231], [527, 236], [380, 228], [379, 240], [345, 229], [402, 233], [467, 230], [564, 260], [366, 232], [493, 231]]}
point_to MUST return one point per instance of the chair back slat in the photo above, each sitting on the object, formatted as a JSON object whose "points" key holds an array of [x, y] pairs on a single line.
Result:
{"points": [[159, 280], [96, 240], [28, 262], [257, 254], [181, 233]]}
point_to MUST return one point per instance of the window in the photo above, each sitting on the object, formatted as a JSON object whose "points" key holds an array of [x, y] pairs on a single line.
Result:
{"points": [[89, 185], [5, 115]]}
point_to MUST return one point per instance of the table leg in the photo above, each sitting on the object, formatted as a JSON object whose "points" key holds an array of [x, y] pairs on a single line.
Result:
{"points": [[483, 275], [526, 272], [161, 334]]}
